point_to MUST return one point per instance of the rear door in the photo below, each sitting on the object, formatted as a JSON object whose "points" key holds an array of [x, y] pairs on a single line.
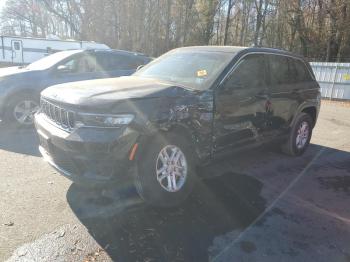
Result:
{"points": [[307, 87], [285, 95], [291, 85], [240, 104], [17, 51]]}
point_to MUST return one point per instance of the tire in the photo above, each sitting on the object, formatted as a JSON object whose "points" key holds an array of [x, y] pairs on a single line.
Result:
{"points": [[146, 180], [295, 146], [26, 102]]}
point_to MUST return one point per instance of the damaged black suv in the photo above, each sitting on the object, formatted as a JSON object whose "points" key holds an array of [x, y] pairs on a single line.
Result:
{"points": [[185, 108]]}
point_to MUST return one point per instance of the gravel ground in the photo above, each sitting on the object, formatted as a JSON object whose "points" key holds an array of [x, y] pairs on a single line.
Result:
{"points": [[275, 208]]}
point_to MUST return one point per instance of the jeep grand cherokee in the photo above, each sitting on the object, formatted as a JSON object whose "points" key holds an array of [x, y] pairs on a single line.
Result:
{"points": [[185, 108]]}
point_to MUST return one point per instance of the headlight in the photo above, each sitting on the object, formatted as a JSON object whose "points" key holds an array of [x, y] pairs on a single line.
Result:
{"points": [[96, 120]]}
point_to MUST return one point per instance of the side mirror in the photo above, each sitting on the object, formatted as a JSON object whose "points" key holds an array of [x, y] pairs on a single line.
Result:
{"points": [[63, 69], [139, 67]]}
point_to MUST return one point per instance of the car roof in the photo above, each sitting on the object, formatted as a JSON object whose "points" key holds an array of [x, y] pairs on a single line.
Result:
{"points": [[115, 51], [236, 49], [71, 51], [271, 51], [213, 48]]}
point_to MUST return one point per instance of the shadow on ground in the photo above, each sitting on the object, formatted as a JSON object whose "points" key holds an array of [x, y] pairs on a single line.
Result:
{"points": [[131, 231], [19, 140], [231, 200]]}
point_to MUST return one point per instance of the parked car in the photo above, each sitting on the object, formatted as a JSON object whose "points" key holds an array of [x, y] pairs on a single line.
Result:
{"points": [[184, 109], [20, 87]]}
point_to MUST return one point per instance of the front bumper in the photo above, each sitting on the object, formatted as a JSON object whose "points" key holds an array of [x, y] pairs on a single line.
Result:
{"points": [[88, 156]]}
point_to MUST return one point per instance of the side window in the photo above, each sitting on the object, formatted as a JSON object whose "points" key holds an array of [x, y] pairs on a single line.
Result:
{"points": [[79, 64], [129, 62], [126, 63], [279, 70], [303, 74], [102, 62], [293, 74], [70, 66], [86, 64], [16, 45], [248, 74], [111, 62]]}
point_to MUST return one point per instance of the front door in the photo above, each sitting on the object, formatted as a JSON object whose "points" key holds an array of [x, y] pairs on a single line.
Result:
{"points": [[17, 51], [241, 103], [76, 68]]}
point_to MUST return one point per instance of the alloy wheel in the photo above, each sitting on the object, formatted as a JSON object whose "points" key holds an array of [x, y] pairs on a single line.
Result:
{"points": [[24, 112], [171, 168], [302, 135]]}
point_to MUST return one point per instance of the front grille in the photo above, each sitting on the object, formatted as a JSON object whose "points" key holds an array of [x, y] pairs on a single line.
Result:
{"points": [[63, 118]]}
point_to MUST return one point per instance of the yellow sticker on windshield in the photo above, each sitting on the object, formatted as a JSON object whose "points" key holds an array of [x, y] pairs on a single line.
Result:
{"points": [[202, 73]]}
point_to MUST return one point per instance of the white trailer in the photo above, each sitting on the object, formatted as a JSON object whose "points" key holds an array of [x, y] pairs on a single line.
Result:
{"points": [[25, 50]]}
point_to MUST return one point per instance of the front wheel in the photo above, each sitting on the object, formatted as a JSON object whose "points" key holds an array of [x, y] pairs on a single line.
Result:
{"points": [[21, 109], [165, 175], [300, 136]]}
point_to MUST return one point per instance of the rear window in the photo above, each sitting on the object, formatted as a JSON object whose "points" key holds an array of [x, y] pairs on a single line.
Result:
{"points": [[288, 70], [279, 70], [303, 74]]}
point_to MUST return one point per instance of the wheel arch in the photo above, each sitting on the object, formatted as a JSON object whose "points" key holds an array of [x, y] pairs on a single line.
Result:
{"points": [[22, 91], [12, 98], [312, 111], [308, 108], [177, 129]]}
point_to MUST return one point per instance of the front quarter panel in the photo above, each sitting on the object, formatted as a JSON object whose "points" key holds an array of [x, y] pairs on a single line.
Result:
{"points": [[29, 82], [190, 115]]}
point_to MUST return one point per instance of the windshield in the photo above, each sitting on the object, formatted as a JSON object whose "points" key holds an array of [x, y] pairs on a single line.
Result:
{"points": [[51, 60], [195, 69]]}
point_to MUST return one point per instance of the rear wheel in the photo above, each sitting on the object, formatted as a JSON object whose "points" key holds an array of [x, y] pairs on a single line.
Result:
{"points": [[165, 175], [300, 136], [21, 109]]}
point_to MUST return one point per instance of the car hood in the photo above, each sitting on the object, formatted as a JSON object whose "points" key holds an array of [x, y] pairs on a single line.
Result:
{"points": [[112, 89], [13, 70], [18, 75]]}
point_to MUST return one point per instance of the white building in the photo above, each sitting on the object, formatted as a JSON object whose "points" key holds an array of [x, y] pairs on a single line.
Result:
{"points": [[24, 50]]}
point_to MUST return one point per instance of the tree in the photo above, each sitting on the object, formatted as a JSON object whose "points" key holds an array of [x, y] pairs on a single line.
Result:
{"points": [[319, 29], [230, 5]]}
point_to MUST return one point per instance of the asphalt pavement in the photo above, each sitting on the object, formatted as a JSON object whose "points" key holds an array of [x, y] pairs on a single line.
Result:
{"points": [[255, 206]]}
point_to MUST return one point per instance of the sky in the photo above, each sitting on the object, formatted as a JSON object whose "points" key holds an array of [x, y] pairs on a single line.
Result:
{"points": [[2, 3]]}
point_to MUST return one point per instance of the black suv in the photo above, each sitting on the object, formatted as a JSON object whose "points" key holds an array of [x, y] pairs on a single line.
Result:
{"points": [[183, 109], [20, 87]]}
